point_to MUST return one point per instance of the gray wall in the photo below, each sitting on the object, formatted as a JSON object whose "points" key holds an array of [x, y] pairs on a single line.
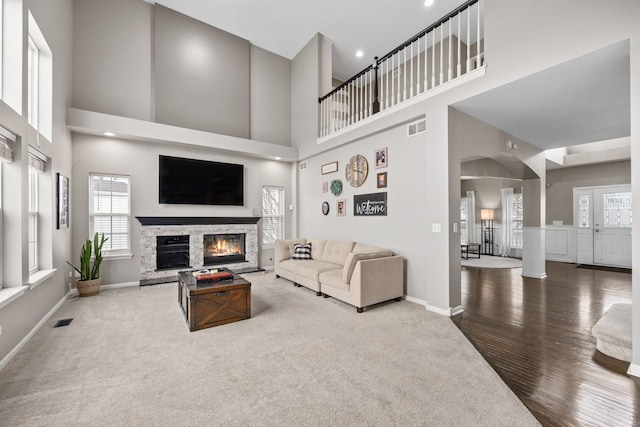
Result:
{"points": [[403, 229], [21, 316], [488, 194], [201, 75], [132, 59], [112, 59], [305, 90], [139, 160], [560, 184], [270, 97]]}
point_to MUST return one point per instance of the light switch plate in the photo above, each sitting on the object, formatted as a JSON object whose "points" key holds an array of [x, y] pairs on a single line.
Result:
{"points": [[436, 228]]}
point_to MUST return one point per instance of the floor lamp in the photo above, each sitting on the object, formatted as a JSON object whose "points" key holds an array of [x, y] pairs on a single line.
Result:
{"points": [[486, 223]]}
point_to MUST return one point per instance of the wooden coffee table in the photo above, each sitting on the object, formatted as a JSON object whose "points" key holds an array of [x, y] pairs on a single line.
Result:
{"points": [[213, 303]]}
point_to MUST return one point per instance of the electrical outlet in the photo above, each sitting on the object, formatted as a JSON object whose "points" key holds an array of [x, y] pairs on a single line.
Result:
{"points": [[436, 228]]}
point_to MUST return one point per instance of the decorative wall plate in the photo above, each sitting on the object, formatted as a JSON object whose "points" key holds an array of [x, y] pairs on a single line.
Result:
{"points": [[325, 208]]}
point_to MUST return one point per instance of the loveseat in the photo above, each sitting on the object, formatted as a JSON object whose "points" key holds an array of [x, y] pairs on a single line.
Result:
{"points": [[354, 273]]}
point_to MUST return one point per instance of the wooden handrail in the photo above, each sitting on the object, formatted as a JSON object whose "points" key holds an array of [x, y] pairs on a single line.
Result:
{"points": [[377, 60]]}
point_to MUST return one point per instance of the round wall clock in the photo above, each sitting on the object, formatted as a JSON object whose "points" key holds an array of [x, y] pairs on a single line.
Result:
{"points": [[325, 208], [357, 170]]}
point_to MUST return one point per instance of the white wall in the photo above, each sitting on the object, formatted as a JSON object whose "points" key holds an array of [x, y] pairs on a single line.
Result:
{"points": [[139, 160], [18, 319]]}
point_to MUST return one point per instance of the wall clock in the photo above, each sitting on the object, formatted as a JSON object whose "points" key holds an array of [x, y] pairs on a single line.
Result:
{"points": [[357, 170]]}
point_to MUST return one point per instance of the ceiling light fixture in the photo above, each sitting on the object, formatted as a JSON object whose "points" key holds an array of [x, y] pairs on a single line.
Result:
{"points": [[359, 54], [278, 158], [110, 134], [428, 3]]}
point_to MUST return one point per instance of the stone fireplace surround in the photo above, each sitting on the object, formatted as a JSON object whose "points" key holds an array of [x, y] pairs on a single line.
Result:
{"points": [[195, 228]]}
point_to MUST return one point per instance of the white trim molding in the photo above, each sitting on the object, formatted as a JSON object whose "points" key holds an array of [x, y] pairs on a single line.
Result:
{"points": [[74, 291], [449, 312], [8, 295], [416, 301], [634, 370], [40, 276], [33, 331]]}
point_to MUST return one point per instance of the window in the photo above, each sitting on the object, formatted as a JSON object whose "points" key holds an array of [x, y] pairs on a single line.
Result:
{"points": [[11, 35], [39, 81], [517, 220], [463, 220], [33, 218], [617, 210], [1, 36], [32, 84], [109, 212], [272, 215]]}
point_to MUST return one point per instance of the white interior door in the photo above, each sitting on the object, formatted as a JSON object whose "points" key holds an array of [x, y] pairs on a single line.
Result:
{"points": [[583, 222], [612, 216]]}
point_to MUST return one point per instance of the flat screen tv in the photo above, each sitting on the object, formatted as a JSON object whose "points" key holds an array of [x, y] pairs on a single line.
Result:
{"points": [[200, 182]]}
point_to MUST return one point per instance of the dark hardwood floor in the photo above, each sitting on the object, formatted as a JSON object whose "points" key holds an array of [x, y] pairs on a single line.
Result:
{"points": [[537, 336]]}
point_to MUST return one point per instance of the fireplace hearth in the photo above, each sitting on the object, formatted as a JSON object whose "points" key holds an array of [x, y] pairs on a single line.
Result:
{"points": [[223, 248]]}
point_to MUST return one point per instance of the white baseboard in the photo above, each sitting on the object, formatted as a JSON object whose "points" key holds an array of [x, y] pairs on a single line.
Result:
{"points": [[415, 300], [270, 268], [74, 291], [451, 311], [120, 285], [534, 276], [33, 331], [634, 370]]}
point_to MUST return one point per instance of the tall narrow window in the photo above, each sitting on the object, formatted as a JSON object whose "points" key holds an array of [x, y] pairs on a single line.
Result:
{"points": [[33, 219], [33, 60], [463, 220], [109, 212], [1, 45], [517, 216], [272, 215]]}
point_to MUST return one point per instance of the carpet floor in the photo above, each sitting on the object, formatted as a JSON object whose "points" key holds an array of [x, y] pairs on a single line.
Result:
{"points": [[488, 261], [128, 359]]}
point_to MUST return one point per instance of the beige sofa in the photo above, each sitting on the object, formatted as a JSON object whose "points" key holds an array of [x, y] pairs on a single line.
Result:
{"points": [[357, 274]]}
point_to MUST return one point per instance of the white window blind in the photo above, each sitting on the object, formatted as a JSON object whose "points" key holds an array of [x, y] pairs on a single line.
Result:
{"points": [[109, 211], [33, 219], [272, 215]]}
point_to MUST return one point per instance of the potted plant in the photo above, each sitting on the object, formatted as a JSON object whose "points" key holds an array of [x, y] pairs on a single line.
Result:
{"points": [[89, 282]]}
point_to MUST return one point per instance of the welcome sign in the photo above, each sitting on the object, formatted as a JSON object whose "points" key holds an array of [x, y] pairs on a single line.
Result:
{"points": [[374, 204]]}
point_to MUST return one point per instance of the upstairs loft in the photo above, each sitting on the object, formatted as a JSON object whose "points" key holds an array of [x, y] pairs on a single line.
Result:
{"points": [[442, 53]]}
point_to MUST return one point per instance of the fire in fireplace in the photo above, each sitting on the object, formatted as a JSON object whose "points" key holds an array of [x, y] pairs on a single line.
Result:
{"points": [[223, 248]]}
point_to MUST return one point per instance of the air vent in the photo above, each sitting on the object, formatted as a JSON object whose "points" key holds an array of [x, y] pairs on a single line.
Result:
{"points": [[303, 165], [63, 322], [417, 127]]}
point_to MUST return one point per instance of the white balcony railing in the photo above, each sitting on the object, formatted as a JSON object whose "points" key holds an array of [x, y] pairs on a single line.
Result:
{"points": [[441, 53]]}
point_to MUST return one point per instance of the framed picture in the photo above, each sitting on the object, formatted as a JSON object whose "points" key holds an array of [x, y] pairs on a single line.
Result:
{"points": [[382, 180], [329, 168], [341, 207], [325, 186], [381, 158], [325, 208], [62, 214]]}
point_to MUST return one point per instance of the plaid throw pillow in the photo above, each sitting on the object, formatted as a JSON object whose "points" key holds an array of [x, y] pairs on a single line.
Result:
{"points": [[302, 251]]}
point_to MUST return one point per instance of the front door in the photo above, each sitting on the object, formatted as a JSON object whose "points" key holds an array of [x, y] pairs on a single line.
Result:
{"points": [[612, 217]]}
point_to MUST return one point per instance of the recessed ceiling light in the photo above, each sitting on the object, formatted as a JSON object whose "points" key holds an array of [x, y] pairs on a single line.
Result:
{"points": [[109, 134], [278, 158], [428, 3], [359, 54]]}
